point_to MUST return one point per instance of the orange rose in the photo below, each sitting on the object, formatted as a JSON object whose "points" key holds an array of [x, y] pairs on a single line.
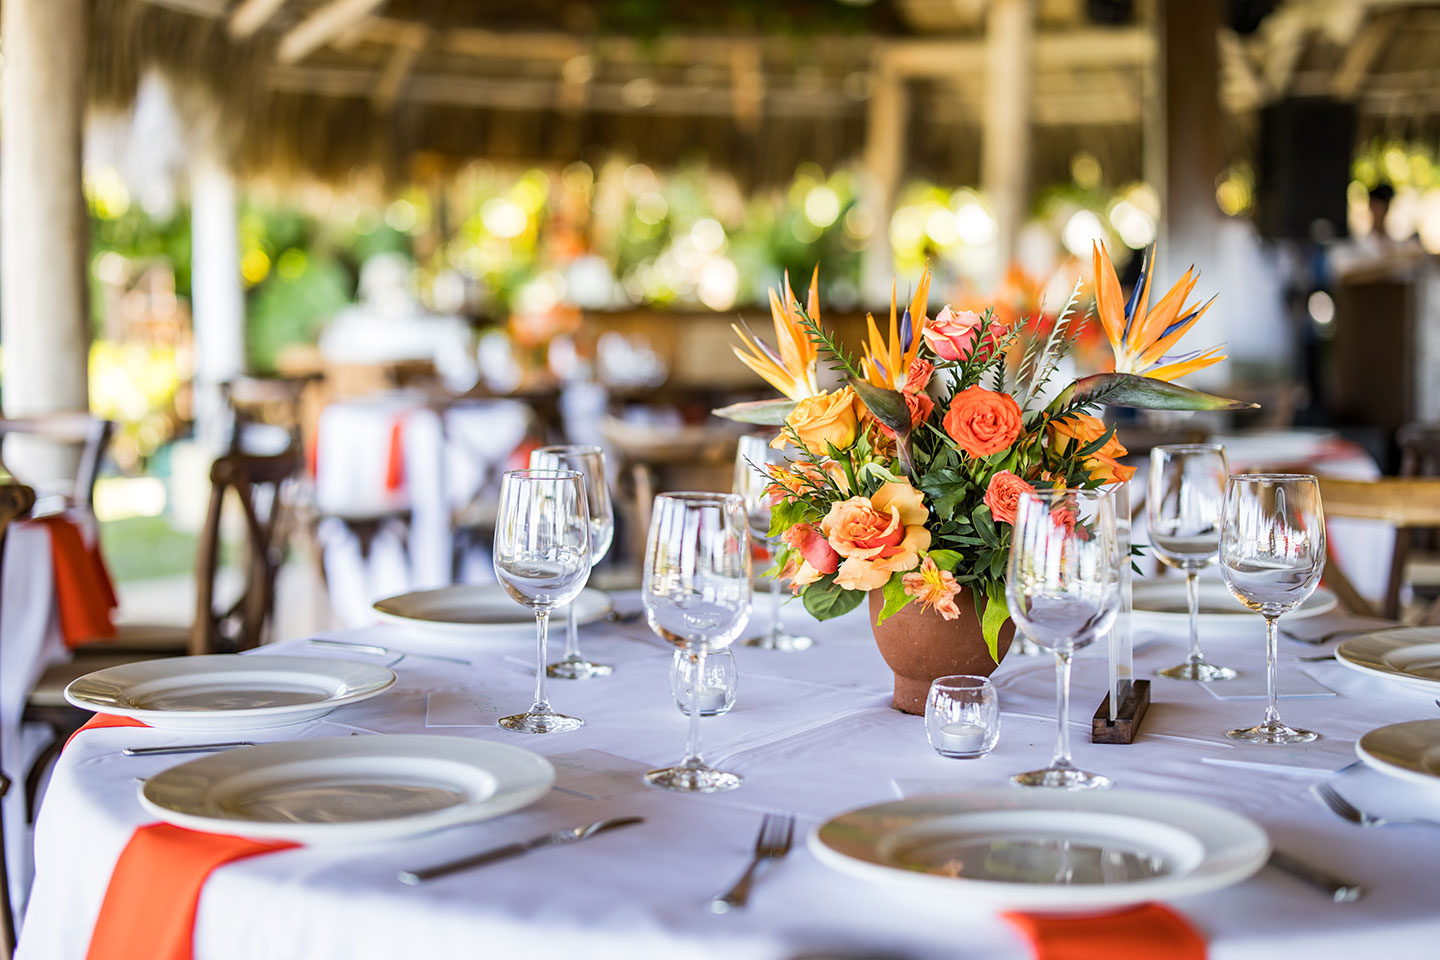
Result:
{"points": [[829, 418], [917, 378], [983, 422], [1003, 495], [1082, 429], [877, 535], [812, 546]]}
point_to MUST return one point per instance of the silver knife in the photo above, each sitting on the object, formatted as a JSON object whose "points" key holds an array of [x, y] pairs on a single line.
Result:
{"points": [[184, 748], [1341, 891], [558, 838]]}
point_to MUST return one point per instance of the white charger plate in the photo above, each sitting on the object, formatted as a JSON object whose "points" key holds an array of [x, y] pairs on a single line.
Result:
{"points": [[1164, 600], [348, 789], [1411, 657], [476, 611], [1007, 848], [228, 691], [1410, 751]]}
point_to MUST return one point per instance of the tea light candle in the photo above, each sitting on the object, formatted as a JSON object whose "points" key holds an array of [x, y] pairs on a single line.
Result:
{"points": [[711, 699], [962, 737]]}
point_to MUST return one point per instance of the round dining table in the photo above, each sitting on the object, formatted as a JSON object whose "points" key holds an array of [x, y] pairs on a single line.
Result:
{"points": [[813, 734]]}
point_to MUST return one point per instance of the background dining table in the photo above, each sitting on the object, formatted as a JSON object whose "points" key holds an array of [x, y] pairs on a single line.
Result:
{"points": [[812, 733]]}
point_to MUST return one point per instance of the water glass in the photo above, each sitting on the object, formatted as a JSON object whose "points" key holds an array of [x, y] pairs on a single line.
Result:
{"points": [[962, 716], [1187, 496], [696, 588], [752, 484], [589, 462], [1063, 588], [542, 559], [717, 688], [1272, 552]]}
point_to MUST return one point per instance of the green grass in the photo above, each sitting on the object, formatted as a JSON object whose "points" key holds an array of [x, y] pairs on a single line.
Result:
{"points": [[140, 548]]}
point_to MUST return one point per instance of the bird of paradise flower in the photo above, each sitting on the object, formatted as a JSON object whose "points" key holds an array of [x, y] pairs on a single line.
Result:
{"points": [[1140, 335]]}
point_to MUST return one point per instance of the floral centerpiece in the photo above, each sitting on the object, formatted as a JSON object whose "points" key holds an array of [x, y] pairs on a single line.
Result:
{"points": [[902, 484]]}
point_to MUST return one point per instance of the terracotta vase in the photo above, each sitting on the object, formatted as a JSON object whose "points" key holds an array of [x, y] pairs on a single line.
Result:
{"points": [[920, 645]]}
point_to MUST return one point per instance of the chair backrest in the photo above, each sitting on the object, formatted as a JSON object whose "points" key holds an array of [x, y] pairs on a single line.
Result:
{"points": [[91, 434], [274, 402], [1403, 502], [15, 502], [258, 483]]}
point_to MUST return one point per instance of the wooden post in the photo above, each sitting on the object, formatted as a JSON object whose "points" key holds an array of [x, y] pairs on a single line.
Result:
{"points": [[887, 116], [1005, 142], [218, 299], [44, 305]]}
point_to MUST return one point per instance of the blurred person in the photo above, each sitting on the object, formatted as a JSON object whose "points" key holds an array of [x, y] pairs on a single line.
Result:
{"points": [[1377, 254]]}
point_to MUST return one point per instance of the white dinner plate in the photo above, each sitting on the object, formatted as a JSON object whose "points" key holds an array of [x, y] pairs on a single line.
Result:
{"points": [[1410, 751], [227, 691], [1165, 598], [348, 789], [1411, 657], [1044, 849], [479, 610]]}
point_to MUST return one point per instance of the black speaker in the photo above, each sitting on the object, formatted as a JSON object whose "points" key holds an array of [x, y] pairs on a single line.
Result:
{"points": [[1306, 146]]}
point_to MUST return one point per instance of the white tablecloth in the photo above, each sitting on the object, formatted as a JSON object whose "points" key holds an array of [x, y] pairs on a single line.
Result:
{"points": [[813, 733]]}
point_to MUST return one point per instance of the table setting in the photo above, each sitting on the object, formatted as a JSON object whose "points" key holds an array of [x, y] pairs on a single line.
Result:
{"points": [[386, 791]]}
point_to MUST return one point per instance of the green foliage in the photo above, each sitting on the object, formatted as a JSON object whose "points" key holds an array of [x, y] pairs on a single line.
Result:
{"points": [[896, 599], [826, 600], [288, 310]]}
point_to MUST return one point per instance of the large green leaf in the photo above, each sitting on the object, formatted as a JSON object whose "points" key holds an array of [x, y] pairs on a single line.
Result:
{"points": [[888, 406], [996, 612], [896, 599], [825, 600], [767, 413], [1130, 390]]}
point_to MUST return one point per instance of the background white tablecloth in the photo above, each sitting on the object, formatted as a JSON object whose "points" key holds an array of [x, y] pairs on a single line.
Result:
{"points": [[813, 733]]}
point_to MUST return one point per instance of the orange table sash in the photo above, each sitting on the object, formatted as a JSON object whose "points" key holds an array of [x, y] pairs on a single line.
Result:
{"points": [[83, 591], [105, 720], [1147, 932], [149, 907], [395, 457]]}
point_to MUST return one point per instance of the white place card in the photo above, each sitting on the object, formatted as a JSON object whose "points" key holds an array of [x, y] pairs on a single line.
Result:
{"points": [[452, 708], [1318, 757], [1294, 685], [595, 774]]}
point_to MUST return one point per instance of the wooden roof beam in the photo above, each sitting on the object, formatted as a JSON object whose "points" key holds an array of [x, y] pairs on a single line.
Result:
{"points": [[1360, 56], [250, 16], [322, 26], [396, 72]]}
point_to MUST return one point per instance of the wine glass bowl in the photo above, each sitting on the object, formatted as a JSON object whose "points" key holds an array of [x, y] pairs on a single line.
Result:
{"points": [[1183, 511], [697, 595], [542, 559], [1272, 553], [753, 484], [589, 462], [1063, 589]]}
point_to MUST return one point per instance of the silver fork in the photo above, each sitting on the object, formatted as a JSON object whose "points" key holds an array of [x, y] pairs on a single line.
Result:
{"points": [[1342, 632], [772, 843], [1345, 809]]}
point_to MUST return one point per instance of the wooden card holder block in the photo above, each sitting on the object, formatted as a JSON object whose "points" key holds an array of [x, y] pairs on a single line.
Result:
{"points": [[1126, 724]]}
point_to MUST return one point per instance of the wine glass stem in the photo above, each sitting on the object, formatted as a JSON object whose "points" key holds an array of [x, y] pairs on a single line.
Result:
{"points": [[542, 636], [775, 605], [1062, 708], [1272, 669], [1192, 598], [697, 680], [572, 636]]}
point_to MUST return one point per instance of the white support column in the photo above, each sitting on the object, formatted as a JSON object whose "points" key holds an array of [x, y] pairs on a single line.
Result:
{"points": [[218, 298], [43, 292], [1005, 141], [884, 163]]}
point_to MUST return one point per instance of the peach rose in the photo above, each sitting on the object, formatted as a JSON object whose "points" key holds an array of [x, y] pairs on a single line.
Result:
{"points": [[917, 378], [952, 335], [1003, 495], [877, 535], [1103, 465], [819, 557], [829, 418], [983, 422]]}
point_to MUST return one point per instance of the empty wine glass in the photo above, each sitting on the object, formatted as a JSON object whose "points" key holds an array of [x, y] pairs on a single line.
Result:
{"points": [[1272, 552], [751, 484], [1187, 495], [1063, 589], [696, 590], [589, 462], [542, 559]]}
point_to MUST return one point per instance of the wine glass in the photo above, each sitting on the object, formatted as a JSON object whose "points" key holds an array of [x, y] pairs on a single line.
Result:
{"points": [[1187, 494], [1272, 552], [589, 462], [1062, 586], [542, 559], [752, 483], [697, 594]]}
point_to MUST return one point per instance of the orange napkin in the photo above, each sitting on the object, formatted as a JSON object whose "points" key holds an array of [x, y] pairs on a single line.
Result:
{"points": [[149, 907], [83, 590], [105, 720], [395, 459], [1142, 933]]}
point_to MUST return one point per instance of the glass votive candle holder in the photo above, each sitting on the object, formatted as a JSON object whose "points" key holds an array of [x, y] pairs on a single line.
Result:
{"points": [[717, 687], [962, 716]]}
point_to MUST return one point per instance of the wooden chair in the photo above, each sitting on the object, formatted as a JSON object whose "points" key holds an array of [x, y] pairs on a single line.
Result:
{"points": [[90, 434], [1404, 502], [16, 500]]}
